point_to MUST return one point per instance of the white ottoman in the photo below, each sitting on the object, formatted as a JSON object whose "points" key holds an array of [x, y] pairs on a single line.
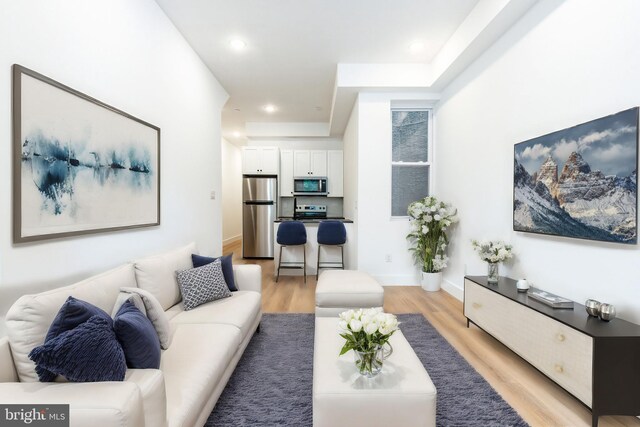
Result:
{"points": [[402, 394], [340, 290]]}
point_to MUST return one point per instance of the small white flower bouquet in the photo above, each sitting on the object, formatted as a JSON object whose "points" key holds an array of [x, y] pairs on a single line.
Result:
{"points": [[366, 332], [493, 252]]}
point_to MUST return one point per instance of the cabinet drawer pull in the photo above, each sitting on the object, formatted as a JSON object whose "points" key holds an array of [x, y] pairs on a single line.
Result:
{"points": [[560, 337], [559, 369], [476, 305]]}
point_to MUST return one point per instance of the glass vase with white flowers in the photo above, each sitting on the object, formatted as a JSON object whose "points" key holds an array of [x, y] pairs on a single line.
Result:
{"points": [[493, 252], [367, 333]]}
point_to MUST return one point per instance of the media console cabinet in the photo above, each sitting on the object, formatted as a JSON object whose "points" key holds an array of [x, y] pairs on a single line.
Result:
{"points": [[597, 362]]}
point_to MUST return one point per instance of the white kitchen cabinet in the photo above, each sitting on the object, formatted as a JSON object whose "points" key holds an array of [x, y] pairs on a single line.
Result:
{"points": [[301, 162], [250, 160], [286, 173], [335, 173], [270, 160], [319, 162], [309, 163], [260, 160]]}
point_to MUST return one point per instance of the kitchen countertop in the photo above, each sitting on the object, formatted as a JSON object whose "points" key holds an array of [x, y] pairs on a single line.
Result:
{"points": [[314, 220]]}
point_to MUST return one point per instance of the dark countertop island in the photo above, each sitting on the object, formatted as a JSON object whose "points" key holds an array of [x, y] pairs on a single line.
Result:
{"points": [[314, 220]]}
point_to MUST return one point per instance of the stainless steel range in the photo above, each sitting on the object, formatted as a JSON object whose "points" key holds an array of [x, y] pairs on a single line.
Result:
{"points": [[310, 212]]}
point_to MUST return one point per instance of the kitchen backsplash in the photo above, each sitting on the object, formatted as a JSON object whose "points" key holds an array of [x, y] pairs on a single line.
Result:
{"points": [[334, 204]]}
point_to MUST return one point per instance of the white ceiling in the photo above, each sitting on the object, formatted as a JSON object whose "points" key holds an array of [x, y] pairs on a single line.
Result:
{"points": [[294, 46]]}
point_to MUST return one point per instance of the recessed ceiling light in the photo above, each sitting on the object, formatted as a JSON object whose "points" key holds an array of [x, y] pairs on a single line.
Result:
{"points": [[237, 44], [270, 108], [416, 47], [236, 134], [236, 109]]}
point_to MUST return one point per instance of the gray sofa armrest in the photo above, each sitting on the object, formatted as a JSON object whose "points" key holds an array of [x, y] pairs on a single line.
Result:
{"points": [[248, 277]]}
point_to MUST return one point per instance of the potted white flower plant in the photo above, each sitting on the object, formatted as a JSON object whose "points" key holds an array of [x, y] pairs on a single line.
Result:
{"points": [[430, 219], [493, 252], [367, 332]]}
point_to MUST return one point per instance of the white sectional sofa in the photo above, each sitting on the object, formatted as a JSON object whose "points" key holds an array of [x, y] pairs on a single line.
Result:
{"points": [[207, 343]]}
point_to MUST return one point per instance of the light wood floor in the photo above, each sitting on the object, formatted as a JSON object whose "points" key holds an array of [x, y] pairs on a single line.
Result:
{"points": [[538, 400]]}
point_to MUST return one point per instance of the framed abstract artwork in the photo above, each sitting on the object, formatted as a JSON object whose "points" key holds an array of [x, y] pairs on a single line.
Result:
{"points": [[580, 182], [80, 166]]}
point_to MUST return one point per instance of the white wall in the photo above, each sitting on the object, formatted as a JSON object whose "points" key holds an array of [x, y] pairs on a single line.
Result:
{"points": [[231, 191], [378, 233], [350, 201], [298, 143], [564, 63], [129, 55]]}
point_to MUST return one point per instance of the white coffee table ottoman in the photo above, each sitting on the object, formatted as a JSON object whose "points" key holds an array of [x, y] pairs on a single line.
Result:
{"points": [[340, 290], [402, 394]]}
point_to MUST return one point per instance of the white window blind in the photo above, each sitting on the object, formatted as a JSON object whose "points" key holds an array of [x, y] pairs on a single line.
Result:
{"points": [[410, 159]]}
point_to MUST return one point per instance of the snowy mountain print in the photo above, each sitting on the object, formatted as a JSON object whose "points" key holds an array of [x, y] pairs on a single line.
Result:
{"points": [[580, 182]]}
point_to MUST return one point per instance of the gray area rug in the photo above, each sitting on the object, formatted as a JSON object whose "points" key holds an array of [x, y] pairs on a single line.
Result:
{"points": [[272, 383]]}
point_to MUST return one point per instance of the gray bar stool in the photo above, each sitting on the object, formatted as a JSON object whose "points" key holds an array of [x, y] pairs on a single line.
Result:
{"points": [[331, 233], [292, 233]]}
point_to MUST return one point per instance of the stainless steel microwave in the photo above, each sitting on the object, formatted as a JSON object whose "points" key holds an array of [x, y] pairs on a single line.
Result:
{"points": [[310, 186]]}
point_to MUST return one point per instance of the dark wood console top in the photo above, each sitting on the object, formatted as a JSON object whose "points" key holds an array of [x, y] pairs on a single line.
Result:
{"points": [[577, 318]]}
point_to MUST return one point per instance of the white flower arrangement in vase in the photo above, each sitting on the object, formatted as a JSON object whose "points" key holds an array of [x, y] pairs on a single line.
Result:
{"points": [[493, 252], [430, 219], [366, 332]]}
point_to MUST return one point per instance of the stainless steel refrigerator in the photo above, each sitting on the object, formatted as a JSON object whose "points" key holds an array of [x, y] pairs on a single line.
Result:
{"points": [[259, 210]]}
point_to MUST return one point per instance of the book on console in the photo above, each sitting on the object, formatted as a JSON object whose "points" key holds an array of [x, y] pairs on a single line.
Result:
{"points": [[552, 300]]}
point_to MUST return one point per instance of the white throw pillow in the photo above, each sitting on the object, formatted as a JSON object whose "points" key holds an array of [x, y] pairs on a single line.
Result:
{"points": [[155, 314], [157, 274]]}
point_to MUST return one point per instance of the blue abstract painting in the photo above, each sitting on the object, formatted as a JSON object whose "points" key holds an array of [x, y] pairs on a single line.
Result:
{"points": [[84, 166]]}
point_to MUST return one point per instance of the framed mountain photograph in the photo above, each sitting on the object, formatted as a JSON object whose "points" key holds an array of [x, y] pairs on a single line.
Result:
{"points": [[580, 182], [80, 166]]}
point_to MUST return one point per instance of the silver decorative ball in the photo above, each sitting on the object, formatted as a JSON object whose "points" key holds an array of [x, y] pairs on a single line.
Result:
{"points": [[593, 307], [607, 312]]}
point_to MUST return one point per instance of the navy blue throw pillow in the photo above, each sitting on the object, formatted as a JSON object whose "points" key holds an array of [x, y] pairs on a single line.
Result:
{"points": [[227, 268], [138, 337], [72, 313], [90, 352]]}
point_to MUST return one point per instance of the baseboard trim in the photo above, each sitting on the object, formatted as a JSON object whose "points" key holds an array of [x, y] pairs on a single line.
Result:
{"points": [[453, 289], [231, 240], [396, 280]]}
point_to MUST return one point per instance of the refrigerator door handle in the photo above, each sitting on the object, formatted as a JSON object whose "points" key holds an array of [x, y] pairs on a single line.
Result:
{"points": [[259, 202]]}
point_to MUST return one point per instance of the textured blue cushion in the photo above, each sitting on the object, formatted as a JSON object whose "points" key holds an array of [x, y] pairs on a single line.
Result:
{"points": [[291, 233], [72, 313], [227, 268], [137, 336], [332, 233], [89, 352]]}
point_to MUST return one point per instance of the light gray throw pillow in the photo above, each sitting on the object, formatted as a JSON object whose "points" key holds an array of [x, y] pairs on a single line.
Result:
{"points": [[135, 299], [202, 284]]}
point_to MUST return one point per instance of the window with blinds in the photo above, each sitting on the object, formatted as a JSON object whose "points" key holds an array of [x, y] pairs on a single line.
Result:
{"points": [[411, 158]]}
